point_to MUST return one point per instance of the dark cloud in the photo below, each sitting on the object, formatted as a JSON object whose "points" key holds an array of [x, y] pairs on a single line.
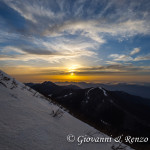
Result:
{"points": [[114, 69], [37, 51]]}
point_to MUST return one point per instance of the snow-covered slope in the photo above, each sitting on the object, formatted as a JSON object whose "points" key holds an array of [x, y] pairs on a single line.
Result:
{"points": [[30, 122]]}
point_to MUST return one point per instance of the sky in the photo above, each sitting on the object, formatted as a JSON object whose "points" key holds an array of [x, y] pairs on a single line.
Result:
{"points": [[75, 40]]}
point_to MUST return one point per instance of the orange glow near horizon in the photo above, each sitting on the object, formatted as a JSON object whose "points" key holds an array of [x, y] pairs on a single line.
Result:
{"points": [[70, 74], [80, 78]]}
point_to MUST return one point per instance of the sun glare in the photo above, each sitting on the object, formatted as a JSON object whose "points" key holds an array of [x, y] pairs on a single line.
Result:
{"points": [[72, 71], [73, 68]]}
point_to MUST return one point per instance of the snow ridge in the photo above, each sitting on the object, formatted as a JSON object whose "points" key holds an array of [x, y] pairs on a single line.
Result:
{"points": [[89, 92], [105, 93]]}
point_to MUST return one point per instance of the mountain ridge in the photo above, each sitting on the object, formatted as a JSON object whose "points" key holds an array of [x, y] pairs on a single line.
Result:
{"points": [[116, 108], [134, 89]]}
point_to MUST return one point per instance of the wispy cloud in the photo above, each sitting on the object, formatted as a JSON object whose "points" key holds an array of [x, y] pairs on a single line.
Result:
{"points": [[117, 57], [140, 58], [135, 51], [127, 69], [116, 69], [55, 16]]}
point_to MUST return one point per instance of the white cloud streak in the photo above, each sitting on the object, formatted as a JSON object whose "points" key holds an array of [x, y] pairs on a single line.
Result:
{"points": [[141, 58], [135, 51], [117, 57], [126, 58]]}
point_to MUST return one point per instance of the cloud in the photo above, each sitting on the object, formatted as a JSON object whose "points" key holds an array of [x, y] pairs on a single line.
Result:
{"points": [[118, 69], [128, 58], [31, 10], [51, 53], [27, 50], [52, 17], [141, 58], [122, 57], [135, 51], [28, 69], [127, 69], [112, 63]]}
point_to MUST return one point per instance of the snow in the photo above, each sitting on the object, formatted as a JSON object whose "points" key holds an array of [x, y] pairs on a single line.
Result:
{"points": [[89, 92], [70, 93], [30, 122], [67, 95], [103, 91]]}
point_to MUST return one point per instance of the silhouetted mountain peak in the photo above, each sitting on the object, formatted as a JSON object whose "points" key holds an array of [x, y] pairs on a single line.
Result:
{"points": [[49, 83]]}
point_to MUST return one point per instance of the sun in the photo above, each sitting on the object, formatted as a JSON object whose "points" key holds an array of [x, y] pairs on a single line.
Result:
{"points": [[72, 69]]}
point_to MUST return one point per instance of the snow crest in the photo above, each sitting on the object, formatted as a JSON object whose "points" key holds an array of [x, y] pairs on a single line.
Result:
{"points": [[105, 93]]}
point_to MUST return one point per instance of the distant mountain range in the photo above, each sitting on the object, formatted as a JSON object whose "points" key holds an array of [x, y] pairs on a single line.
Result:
{"points": [[115, 111], [138, 89], [49, 88]]}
